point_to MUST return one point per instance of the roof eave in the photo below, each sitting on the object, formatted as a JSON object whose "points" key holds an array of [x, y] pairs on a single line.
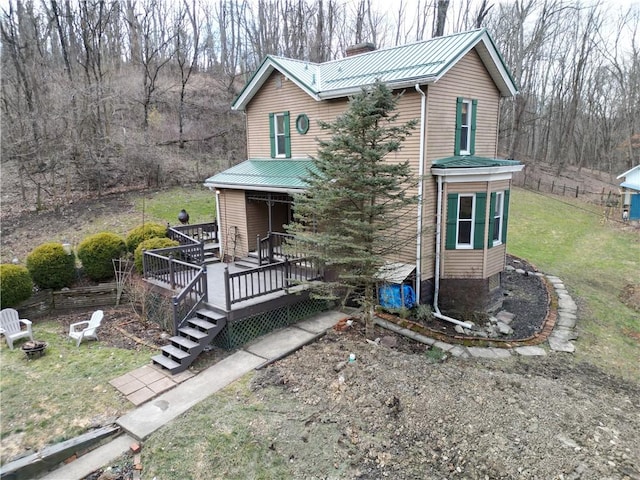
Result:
{"points": [[490, 56], [627, 172], [257, 188], [465, 171], [347, 92], [258, 79]]}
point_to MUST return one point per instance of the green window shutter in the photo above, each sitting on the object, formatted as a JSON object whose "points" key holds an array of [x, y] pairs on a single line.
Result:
{"points": [[456, 147], [287, 136], [452, 221], [478, 230], [505, 216], [272, 134], [492, 208], [474, 109]]}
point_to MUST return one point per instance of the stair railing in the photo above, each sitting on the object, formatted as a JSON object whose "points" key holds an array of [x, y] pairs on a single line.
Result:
{"points": [[190, 278], [189, 299]]}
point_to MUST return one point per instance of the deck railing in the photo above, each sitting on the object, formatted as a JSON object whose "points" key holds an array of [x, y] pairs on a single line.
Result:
{"points": [[198, 232], [262, 280], [156, 263], [272, 245]]}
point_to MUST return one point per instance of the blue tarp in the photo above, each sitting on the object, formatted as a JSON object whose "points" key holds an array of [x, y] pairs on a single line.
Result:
{"points": [[390, 296]]}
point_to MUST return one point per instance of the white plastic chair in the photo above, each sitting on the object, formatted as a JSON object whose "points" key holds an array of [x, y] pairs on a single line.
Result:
{"points": [[89, 331], [11, 326]]}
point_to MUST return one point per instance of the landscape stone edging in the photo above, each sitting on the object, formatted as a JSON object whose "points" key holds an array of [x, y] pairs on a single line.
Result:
{"points": [[558, 329]]}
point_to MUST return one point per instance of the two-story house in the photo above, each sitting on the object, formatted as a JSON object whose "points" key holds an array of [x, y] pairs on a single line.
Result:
{"points": [[456, 242]]}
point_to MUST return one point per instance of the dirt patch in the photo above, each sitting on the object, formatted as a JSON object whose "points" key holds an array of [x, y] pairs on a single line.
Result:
{"points": [[630, 296], [22, 231], [402, 413], [123, 328]]}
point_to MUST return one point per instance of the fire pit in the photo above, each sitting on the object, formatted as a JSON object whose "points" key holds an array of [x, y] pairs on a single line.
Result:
{"points": [[33, 349]]}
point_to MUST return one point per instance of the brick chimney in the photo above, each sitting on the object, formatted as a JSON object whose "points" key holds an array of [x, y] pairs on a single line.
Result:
{"points": [[359, 48]]}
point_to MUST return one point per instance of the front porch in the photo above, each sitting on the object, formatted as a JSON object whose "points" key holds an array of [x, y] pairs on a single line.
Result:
{"points": [[226, 304]]}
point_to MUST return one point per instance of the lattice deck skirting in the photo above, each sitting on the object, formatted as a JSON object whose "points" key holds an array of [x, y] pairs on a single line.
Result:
{"points": [[242, 331]]}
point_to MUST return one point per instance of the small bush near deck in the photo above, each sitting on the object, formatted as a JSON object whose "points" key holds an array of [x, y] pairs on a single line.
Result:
{"points": [[96, 253], [151, 244], [15, 284], [51, 267], [144, 232]]}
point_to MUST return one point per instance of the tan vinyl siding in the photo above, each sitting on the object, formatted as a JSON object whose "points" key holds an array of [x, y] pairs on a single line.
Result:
{"points": [[288, 98], [463, 264], [272, 99], [469, 79], [495, 260], [257, 222], [403, 248], [233, 214], [500, 185]]}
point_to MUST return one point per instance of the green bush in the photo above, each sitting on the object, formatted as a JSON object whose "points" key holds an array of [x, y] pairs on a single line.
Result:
{"points": [[15, 284], [96, 253], [144, 232], [151, 244], [51, 267]]}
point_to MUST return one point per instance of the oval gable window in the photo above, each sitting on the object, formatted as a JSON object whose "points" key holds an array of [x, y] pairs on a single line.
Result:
{"points": [[302, 124]]}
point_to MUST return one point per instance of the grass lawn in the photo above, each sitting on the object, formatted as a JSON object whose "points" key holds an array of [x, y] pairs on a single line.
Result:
{"points": [[596, 260], [225, 437], [164, 206], [63, 393]]}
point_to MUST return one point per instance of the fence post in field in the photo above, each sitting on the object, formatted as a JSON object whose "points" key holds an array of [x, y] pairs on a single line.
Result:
{"points": [[553, 184], [577, 189], [564, 189], [539, 184]]}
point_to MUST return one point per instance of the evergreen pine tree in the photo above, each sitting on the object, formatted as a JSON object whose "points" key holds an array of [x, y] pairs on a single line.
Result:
{"points": [[348, 217]]}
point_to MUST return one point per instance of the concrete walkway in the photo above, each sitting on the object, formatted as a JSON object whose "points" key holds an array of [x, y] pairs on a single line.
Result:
{"points": [[184, 392], [144, 420]]}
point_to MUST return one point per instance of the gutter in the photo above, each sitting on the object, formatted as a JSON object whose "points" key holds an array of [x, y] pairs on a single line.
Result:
{"points": [[423, 119]]}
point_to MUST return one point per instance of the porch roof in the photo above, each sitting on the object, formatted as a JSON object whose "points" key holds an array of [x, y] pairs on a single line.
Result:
{"points": [[471, 161], [278, 174]]}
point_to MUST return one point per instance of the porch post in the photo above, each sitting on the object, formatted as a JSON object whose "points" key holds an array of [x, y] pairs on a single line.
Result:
{"points": [[227, 293], [258, 250]]}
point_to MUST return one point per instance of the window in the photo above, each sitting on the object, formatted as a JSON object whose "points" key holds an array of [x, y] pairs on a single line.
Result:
{"points": [[465, 126], [465, 221], [279, 134], [497, 206], [302, 124]]}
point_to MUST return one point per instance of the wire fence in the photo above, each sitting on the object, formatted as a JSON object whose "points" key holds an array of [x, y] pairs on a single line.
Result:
{"points": [[607, 197]]}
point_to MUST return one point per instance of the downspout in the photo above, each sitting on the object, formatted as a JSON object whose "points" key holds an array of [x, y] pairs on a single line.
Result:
{"points": [[436, 290], [423, 118], [437, 314], [219, 224]]}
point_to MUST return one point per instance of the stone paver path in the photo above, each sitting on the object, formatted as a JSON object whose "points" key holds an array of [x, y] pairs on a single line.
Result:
{"points": [[147, 382]]}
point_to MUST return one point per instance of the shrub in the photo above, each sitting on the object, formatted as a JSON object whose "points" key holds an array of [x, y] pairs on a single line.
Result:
{"points": [[51, 267], [96, 253], [144, 232], [151, 244], [15, 284]]}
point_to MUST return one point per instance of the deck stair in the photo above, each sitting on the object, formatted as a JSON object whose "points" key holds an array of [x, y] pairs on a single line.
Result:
{"points": [[191, 340], [211, 253]]}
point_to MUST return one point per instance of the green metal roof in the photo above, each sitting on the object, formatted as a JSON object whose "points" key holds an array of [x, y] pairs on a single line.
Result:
{"points": [[471, 161], [398, 67], [264, 173]]}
